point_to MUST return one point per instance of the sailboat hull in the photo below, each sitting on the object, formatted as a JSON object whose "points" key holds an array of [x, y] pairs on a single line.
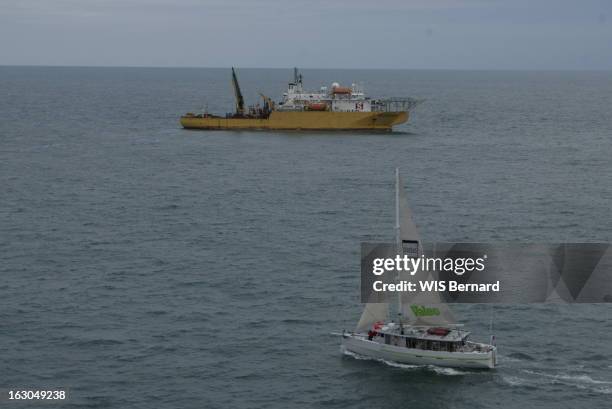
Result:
{"points": [[360, 345]]}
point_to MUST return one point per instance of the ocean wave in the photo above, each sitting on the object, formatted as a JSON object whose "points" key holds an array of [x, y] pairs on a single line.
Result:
{"points": [[603, 390], [595, 357], [517, 356], [95, 342], [516, 381]]}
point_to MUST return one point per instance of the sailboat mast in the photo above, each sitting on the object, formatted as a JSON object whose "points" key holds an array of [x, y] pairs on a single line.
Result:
{"points": [[398, 238]]}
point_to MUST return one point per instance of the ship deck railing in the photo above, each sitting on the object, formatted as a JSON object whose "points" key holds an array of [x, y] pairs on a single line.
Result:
{"points": [[431, 345], [395, 104]]}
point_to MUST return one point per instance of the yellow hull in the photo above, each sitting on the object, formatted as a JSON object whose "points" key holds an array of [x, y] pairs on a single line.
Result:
{"points": [[306, 120]]}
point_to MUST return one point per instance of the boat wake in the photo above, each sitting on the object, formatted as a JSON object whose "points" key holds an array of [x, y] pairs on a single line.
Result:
{"points": [[584, 382], [436, 369], [516, 381], [571, 378]]}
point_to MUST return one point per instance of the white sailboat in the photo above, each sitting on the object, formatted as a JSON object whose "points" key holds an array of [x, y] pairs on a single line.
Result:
{"points": [[425, 332]]}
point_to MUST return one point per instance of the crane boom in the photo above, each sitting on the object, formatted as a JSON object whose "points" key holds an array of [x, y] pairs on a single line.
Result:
{"points": [[268, 103], [238, 94]]}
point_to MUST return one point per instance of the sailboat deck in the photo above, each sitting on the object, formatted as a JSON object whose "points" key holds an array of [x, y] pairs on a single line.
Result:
{"points": [[421, 333]]}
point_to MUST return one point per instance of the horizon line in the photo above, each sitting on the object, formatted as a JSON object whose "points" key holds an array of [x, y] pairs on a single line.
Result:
{"points": [[309, 68]]}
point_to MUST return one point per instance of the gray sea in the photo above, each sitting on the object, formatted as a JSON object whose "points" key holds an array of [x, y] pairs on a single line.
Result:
{"points": [[146, 266]]}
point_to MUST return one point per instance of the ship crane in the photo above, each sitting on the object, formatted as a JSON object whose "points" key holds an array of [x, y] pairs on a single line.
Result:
{"points": [[238, 94], [268, 103]]}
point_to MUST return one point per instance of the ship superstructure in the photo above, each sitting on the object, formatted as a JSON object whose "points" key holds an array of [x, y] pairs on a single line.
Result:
{"points": [[333, 108], [337, 99]]}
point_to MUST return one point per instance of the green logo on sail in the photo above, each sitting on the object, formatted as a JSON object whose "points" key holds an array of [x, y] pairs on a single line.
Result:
{"points": [[423, 311]]}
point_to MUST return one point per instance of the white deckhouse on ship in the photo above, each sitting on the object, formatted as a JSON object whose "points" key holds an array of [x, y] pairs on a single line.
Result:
{"points": [[339, 99]]}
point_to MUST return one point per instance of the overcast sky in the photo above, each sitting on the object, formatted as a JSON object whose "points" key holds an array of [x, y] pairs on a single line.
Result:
{"points": [[441, 34]]}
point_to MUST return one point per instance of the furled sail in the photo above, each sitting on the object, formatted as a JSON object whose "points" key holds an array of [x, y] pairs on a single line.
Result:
{"points": [[420, 308]]}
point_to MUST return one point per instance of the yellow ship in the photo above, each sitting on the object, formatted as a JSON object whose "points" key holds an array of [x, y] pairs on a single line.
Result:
{"points": [[340, 108]]}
